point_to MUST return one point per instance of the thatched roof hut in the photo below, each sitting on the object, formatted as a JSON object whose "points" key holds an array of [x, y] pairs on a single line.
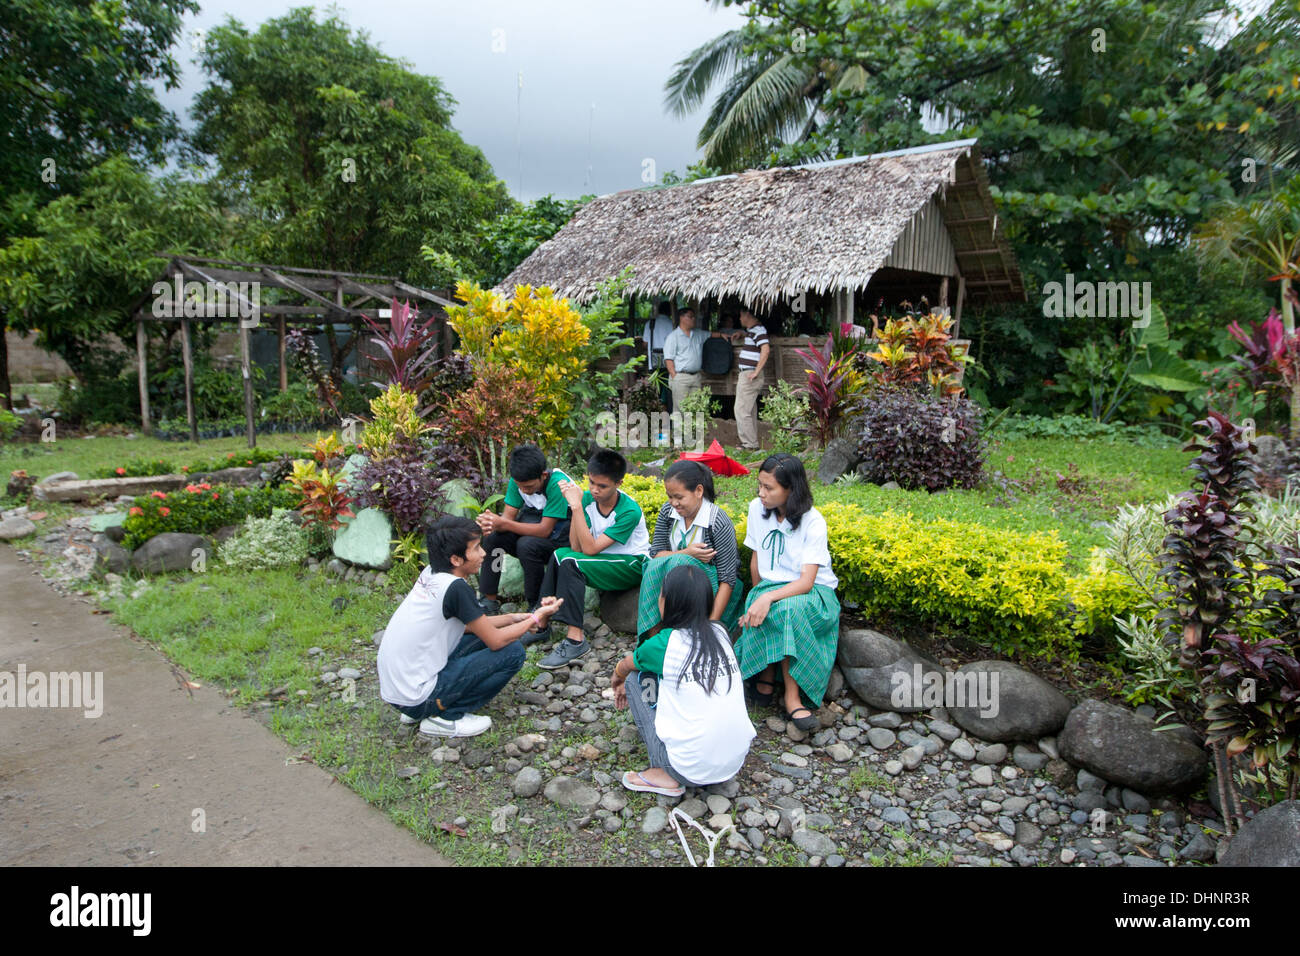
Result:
{"points": [[765, 236]]}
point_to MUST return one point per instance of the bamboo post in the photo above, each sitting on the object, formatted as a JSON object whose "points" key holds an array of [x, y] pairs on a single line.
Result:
{"points": [[956, 312], [188, 359], [284, 368], [142, 359], [245, 365]]}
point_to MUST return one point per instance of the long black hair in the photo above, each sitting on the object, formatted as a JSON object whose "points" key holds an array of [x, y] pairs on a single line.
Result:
{"points": [[688, 596], [690, 475], [789, 474]]}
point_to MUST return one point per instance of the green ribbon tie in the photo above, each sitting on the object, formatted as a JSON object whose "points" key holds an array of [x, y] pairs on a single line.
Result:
{"points": [[775, 541]]}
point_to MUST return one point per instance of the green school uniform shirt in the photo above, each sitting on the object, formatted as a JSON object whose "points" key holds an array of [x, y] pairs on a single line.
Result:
{"points": [[555, 507], [625, 524]]}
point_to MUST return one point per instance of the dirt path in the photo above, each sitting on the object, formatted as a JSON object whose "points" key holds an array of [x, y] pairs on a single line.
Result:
{"points": [[123, 787]]}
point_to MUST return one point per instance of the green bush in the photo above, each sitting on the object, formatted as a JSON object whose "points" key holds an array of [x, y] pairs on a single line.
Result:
{"points": [[9, 423], [264, 543], [137, 467], [200, 509], [786, 410], [1078, 427]]}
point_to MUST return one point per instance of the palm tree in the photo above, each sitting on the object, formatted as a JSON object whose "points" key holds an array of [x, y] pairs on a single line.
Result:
{"points": [[769, 98], [1262, 236]]}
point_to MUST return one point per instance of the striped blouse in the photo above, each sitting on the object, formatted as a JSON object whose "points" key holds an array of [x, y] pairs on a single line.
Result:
{"points": [[718, 533]]}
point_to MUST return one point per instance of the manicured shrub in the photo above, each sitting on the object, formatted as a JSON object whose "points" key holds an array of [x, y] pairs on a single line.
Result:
{"points": [[394, 423], [199, 509], [264, 543], [907, 436]]}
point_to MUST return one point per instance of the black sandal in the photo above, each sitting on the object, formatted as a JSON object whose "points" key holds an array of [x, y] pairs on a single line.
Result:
{"points": [[806, 724], [761, 699]]}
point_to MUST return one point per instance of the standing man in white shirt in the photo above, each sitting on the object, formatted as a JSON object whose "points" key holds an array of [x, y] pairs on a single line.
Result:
{"points": [[749, 380], [684, 357]]}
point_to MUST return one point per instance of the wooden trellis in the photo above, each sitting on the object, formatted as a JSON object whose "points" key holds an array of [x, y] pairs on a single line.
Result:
{"points": [[320, 296]]}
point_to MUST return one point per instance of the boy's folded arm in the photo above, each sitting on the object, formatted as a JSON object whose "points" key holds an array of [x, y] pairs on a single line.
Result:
{"points": [[533, 529]]}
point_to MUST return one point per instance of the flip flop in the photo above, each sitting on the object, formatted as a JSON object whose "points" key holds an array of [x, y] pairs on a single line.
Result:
{"points": [[644, 787]]}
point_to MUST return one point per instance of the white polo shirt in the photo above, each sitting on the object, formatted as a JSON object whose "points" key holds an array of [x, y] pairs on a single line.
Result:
{"points": [[783, 551]]}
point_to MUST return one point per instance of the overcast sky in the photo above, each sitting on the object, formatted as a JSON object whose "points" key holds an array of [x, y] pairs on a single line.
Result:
{"points": [[613, 55]]}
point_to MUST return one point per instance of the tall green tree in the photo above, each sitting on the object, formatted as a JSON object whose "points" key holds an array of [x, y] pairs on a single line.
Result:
{"points": [[343, 157], [89, 258], [78, 84]]}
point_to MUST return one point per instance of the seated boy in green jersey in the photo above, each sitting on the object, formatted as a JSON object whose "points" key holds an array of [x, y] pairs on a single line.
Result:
{"points": [[608, 548], [534, 522]]}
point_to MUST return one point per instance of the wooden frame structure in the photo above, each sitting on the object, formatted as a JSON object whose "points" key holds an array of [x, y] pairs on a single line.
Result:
{"points": [[320, 296]]}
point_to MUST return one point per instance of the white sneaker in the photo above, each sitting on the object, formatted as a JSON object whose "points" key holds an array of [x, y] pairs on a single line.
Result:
{"points": [[471, 725], [406, 720]]}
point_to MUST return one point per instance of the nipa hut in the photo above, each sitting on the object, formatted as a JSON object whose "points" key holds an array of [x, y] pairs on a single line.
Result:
{"points": [[803, 246]]}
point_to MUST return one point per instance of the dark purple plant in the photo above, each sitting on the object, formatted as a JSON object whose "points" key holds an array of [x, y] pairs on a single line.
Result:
{"points": [[403, 486], [408, 348], [920, 441], [299, 344]]}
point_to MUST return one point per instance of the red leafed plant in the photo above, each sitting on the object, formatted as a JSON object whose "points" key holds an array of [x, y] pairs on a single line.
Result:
{"points": [[408, 348], [492, 414], [324, 500], [825, 388]]}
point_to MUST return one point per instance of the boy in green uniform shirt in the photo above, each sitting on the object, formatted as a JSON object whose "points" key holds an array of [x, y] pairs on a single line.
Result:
{"points": [[608, 548], [534, 522]]}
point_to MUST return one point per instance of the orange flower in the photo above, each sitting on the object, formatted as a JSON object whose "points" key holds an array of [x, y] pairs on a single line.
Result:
{"points": [[215, 496], [121, 471], [157, 494], [164, 511], [205, 486], [185, 467], [190, 488], [136, 511]]}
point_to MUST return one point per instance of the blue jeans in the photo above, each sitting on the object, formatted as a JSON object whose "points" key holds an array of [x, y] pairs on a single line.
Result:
{"points": [[642, 695], [472, 676]]}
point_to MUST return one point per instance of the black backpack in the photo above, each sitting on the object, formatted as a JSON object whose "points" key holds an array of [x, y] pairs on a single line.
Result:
{"points": [[717, 355]]}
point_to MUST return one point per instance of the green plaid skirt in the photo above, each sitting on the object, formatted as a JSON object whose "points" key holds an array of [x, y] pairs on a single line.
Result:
{"points": [[652, 580], [805, 627]]}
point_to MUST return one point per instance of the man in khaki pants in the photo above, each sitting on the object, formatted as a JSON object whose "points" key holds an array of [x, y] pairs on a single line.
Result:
{"points": [[749, 380], [684, 357]]}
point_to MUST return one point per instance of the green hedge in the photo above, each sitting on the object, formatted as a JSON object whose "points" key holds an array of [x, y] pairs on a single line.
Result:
{"points": [[200, 509]]}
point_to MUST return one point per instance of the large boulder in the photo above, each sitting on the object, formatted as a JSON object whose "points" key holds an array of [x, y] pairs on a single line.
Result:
{"points": [[366, 540], [840, 457], [886, 673], [172, 551], [512, 578], [1125, 748], [618, 610], [16, 527], [1006, 703], [1271, 838], [73, 490]]}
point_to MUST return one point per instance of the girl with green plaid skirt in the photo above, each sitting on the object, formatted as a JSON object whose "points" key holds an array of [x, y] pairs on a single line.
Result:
{"points": [[792, 618], [691, 529]]}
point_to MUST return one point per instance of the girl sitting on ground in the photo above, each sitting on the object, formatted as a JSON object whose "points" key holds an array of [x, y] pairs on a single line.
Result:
{"points": [[685, 692], [792, 619], [691, 530]]}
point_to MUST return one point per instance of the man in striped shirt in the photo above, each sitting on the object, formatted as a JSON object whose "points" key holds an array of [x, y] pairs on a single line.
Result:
{"points": [[749, 381]]}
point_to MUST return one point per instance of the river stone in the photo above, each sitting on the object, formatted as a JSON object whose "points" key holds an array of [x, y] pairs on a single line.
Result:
{"points": [[881, 670], [571, 793], [813, 843], [1125, 748], [1023, 705], [618, 610], [527, 782], [366, 540], [656, 818], [17, 527], [171, 551], [1270, 838]]}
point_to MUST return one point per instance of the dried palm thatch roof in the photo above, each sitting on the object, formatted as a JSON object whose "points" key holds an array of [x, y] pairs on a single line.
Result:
{"points": [[766, 235]]}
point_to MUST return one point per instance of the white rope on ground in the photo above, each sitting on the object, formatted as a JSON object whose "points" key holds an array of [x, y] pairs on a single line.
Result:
{"points": [[709, 836]]}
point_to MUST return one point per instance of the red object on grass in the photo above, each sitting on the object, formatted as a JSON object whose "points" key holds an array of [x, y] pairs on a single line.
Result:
{"points": [[716, 459]]}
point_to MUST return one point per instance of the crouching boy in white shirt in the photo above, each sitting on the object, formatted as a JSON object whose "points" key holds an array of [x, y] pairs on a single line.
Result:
{"points": [[441, 657]]}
